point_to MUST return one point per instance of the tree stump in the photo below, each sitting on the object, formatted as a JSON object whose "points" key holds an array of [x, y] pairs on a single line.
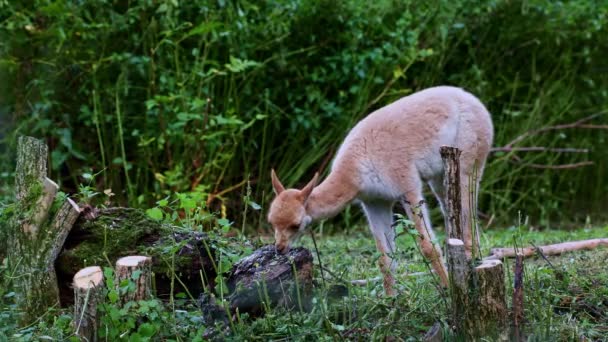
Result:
{"points": [[267, 279], [33, 243], [491, 304], [134, 278], [451, 184], [459, 271], [88, 285]]}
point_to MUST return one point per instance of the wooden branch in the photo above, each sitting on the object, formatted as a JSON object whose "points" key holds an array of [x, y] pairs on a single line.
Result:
{"points": [[88, 285], [137, 269], [577, 124], [559, 248], [61, 226], [491, 314], [458, 266], [539, 149], [518, 291], [41, 208], [553, 167], [582, 123], [451, 180]]}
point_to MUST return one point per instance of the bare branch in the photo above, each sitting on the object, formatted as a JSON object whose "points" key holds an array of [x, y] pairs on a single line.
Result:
{"points": [[577, 124], [539, 149]]}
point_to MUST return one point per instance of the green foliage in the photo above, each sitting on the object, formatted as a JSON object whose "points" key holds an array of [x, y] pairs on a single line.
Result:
{"points": [[163, 97], [144, 320]]}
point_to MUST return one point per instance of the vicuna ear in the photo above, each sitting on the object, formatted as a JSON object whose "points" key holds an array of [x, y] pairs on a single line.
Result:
{"points": [[307, 190], [276, 184]]}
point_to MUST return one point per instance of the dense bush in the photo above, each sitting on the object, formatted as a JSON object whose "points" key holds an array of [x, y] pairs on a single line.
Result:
{"points": [[153, 97]]}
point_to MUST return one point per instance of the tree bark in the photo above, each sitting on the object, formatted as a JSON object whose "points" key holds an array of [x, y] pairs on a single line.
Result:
{"points": [[33, 243], [451, 180], [88, 285], [138, 270], [492, 307]]}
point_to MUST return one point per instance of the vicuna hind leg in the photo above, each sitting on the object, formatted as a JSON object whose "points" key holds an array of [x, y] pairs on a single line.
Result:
{"points": [[416, 210], [380, 217]]}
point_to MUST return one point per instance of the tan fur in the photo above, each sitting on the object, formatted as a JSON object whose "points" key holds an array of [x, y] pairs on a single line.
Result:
{"points": [[387, 157]]}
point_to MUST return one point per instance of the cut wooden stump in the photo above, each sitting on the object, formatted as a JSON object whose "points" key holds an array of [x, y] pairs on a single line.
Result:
{"points": [[459, 271], [137, 270], [268, 279], [492, 306], [555, 249], [33, 243], [88, 285], [451, 183]]}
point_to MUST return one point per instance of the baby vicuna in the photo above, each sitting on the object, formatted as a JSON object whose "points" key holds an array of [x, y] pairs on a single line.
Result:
{"points": [[386, 158]]}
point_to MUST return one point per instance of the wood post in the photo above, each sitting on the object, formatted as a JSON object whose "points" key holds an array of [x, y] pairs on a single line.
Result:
{"points": [[451, 181], [478, 294], [459, 271], [88, 284], [134, 278], [518, 290], [33, 243]]}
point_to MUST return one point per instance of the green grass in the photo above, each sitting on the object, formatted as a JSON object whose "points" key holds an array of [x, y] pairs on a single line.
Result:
{"points": [[565, 298]]}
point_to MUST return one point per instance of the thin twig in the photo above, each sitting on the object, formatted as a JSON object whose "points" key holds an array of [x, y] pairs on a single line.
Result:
{"points": [[577, 124], [538, 149], [314, 241], [539, 251]]}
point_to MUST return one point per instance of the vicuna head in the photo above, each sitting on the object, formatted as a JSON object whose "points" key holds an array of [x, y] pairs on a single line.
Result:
{"points": [[287, 213]]}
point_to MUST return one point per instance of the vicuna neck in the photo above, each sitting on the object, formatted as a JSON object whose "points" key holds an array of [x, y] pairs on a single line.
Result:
{"points": [[331, 196]]}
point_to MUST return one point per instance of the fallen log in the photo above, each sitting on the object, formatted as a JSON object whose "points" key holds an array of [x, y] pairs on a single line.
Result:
{"points": [[105, 235], [268, 279], [559, 248]]}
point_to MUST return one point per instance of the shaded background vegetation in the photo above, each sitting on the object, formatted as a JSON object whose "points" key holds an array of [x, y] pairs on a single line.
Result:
{"points": [[150, 97]]}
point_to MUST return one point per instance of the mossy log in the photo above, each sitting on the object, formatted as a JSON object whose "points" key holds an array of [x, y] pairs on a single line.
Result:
{"points": [[106, 235], [262, 280], [88, 284], [33, 243], [268, 279]]}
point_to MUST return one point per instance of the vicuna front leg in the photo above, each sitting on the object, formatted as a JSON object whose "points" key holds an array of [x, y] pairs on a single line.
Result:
{"points": [[415, 209], [380, 217]]}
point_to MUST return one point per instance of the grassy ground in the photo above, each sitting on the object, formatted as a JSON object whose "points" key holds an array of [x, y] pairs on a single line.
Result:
{"points": [[565, 298]]}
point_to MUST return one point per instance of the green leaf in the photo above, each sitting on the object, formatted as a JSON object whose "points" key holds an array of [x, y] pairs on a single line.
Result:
{"points": [[155, 213], [113, 296], [136, 275], [146, 330], [203, 28]]}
